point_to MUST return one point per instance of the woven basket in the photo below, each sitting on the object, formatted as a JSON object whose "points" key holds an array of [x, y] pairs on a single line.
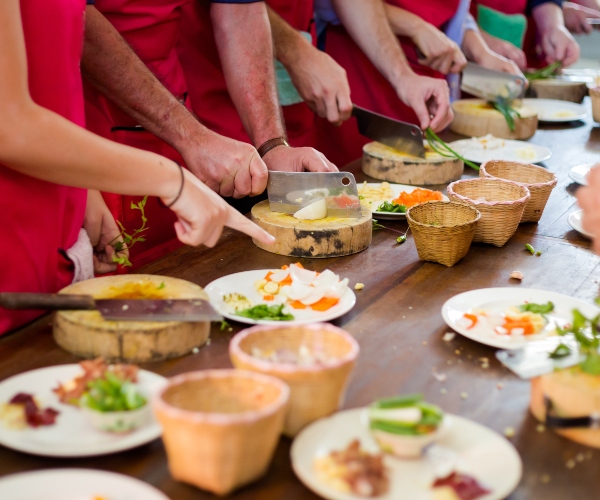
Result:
{"points": [[316, 390], [538, 180], [442, 230], [221, 427], [595, 96], [501, 204]]}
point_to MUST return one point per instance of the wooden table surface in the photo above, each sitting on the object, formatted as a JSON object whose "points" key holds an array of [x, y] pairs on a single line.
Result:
{"points": [[398, 324]]}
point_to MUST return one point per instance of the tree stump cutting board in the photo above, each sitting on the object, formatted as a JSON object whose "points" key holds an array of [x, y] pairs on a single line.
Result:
{"points": [[559, 89], [329, 237], [87, 334], [387, 164], [475, 118]]}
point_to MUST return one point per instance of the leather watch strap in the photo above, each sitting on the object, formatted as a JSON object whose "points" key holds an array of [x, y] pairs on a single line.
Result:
{"points": [[265, 147]]}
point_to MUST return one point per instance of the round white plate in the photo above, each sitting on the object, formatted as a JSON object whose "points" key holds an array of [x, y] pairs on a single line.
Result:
{"points": [[481, 453], [396, 189], [243, 283], [72, 435], [555, 111], [579, 173], [511, 151], [498, 300], [575, 222], [75, 484]]}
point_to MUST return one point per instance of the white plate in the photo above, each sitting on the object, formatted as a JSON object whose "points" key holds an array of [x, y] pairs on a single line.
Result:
{"points": [[243, 283], [482, 453], [549, 110], [498, 300], [396, 189], [579, 173], [72, 435], [575, 222], [75, 484], [510, 151]]}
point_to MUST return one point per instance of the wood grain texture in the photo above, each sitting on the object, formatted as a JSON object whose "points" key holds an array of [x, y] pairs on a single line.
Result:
{"points": [[559, 89], [398, 325], [328, 237]]}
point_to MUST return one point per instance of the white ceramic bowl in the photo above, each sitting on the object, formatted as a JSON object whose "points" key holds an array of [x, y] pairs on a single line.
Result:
{"points": [[119, 421]]}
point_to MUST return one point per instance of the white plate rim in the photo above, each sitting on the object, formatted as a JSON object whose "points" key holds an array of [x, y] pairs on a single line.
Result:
{"points": [[579, 108], [577, 174], [574, 221], [515, 294], [325, 316], [544, 153], [323, 490], [140, 437], [390, 215]]}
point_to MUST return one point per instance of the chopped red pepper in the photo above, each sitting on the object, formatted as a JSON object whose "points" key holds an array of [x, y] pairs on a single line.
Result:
{"points": [[34, 416]]}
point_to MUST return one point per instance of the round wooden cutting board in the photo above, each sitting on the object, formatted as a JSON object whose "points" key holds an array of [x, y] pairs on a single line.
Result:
{"points": [[87, 334], [559, 89], [475, 118], [329, 237], [387, 164]]}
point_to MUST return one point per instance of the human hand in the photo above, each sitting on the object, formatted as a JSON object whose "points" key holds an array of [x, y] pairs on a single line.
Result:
{"points": [[558, 44], [505, 49], [227, 166], [588, 198], [492, 60], [429, 98], [202, 213], [440, 53], [286, 159], [102, 231], [322, 83], [575, 17]]}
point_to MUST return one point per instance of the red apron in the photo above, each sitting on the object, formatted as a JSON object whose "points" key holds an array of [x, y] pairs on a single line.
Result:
{"points": [[368, 86], [150, 27], [208, 91], [38, 218]]}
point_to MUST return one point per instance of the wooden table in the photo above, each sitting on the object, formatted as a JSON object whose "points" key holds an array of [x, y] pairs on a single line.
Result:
{"points": [[398, 324]]}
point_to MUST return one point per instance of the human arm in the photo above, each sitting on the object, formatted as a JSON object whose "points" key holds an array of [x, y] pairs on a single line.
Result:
{"points": [[588, 198], [557, 43], [40, 143], [576, 15], [250, 76], [229, 167], [478, 51], [320, 81], [367, 24], [505, 49], [440, 53]]}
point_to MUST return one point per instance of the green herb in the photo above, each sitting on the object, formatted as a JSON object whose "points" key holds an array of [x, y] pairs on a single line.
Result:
{"points": [[443, 149], [561, 351], [225, 325], [504, 105], [394, 208], [529, 248], [377, 226], [111, 393], [263, 311], [128, 240], [538, 253], [361, 197], [544, 73], [537, 308], [398, 401], [161, 286], [587, 335], [401, 239], [381, 415]]}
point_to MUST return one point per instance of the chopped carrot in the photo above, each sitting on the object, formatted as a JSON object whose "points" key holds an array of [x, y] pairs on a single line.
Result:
{"points": [[269, 297], [527, 326], [417, 196], [268, 276], [297, 305], [473, 319], [286, 281], [284, 267], [324, 304]]}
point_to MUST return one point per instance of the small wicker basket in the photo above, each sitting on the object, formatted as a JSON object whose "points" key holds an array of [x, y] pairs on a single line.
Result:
{"points": [[442, 230], [501, 204], [221, 427], [317, 390], [538, 180]]}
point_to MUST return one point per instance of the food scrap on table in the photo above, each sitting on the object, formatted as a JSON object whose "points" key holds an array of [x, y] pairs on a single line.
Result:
{"points": [[23, 411], [517, 275], [458, 486]]}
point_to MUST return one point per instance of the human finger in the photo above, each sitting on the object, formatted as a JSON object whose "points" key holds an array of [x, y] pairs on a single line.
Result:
{"points": [[259, 175], [332, 167], [333, 113], [101, 267], [442, 111], [313, 162], [420, 108], [344, 102], [235, 220]]}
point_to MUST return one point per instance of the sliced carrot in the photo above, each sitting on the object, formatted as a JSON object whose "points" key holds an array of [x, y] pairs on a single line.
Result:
{"points": [[324, 304], [417, 196], [284, 267], [526, 325], [268, 276], [297, 305], [286, 281], [473, 319], [268, 297]]}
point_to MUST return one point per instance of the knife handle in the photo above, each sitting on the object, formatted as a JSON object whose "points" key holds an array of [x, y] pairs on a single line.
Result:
{"points": [[46, 301]]}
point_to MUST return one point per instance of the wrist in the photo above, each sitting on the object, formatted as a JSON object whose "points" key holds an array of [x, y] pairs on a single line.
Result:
{"points": [[295, 49], [271, 144], [173, 185]]}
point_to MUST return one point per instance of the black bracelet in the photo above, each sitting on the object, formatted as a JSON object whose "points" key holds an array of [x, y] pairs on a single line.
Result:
{"points": [[180, 187]]}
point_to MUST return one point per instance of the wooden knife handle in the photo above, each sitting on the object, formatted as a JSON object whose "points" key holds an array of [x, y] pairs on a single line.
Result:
{"points": [[47, 301]]}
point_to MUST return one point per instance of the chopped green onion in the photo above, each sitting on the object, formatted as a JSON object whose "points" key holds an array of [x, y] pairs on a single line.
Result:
{"points": [[443, 149]]}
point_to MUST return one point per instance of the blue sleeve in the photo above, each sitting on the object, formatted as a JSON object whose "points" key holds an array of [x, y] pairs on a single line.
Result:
{"points": [[90, 2], [532, 4]]}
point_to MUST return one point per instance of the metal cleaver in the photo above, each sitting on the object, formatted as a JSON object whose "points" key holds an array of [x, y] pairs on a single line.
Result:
{"points": [[404, 137], [491, 85], [291, 191], [115, 309]]}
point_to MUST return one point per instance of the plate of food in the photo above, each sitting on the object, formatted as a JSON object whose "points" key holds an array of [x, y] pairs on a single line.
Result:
{"points": [[575, 222], [391, 201], [579, 173], [555, 111], [292, 294], [76, 484], [78, 410], [488, 147], [508, 318], [402, 447]]}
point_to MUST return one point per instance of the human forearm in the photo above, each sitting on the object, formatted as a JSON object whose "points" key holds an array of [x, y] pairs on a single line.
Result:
{"points": [[547, 16], [248, 67], [403, 22], [288, 43]]}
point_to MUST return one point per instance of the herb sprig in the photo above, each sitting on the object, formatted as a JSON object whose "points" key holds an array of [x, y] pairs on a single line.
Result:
{"points": [[443, 149], [544, 73], [394, 208], [128, 240], [263, 311], [505, 107]]}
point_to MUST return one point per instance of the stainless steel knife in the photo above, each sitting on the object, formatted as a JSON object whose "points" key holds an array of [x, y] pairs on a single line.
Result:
{"points": [[404, 137], [115, 309], [290, 191], [491, 85]]}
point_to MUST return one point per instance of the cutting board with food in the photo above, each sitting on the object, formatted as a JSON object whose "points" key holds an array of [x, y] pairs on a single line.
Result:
{"points": [[476, 117], [89, 335], [562, 90], [387, 164]]}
